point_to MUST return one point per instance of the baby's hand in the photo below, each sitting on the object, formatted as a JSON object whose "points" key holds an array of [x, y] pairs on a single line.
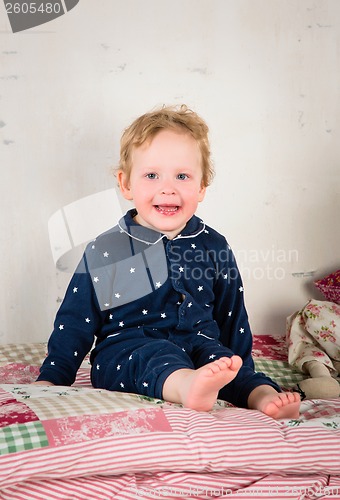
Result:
{"points": [[42, 382]]}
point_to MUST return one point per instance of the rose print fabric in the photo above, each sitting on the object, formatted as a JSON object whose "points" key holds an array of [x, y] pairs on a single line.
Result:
{"points": [[314, 334]]}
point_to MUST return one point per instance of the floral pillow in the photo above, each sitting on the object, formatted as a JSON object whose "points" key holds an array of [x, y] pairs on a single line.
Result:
{"points": [[329, 286]]}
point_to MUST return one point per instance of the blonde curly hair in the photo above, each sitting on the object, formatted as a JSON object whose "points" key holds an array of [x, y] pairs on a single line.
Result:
{"points": [[178, 118]]}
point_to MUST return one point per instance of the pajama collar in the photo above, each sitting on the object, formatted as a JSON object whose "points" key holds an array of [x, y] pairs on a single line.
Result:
{"points": [[129, 226]]}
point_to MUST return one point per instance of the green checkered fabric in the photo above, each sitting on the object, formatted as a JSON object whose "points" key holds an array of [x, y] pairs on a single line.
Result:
{"points": [[22, 437], [280, 371]]}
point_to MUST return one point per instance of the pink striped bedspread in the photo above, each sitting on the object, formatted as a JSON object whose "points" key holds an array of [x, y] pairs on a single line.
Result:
{"points": [[80, 443]]}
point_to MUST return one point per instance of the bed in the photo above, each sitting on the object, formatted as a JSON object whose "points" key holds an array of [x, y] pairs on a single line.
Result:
{"points": [[83, 443]]}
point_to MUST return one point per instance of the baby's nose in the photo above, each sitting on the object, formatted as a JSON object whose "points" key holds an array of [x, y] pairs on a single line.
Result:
{"points": [[168, 188]]}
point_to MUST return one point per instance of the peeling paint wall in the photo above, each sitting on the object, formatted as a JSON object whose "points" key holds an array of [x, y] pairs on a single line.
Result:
{"points": [[263, 73]]}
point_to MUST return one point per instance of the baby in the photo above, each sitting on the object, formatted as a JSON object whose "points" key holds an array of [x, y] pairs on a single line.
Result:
{"points": [[161, 292]]}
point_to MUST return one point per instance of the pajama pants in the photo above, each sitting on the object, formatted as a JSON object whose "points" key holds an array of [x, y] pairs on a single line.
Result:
{"points": [[139, 362]]}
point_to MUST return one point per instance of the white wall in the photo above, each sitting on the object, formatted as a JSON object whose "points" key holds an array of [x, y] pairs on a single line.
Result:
{"points": [[265, 76]]}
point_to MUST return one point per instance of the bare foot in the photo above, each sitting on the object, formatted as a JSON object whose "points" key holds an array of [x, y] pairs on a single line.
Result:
{"points": [[280, 405], [199, 389]]}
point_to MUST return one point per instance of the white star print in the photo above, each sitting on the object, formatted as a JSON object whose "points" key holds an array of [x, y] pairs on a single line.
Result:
{"points": [[75, 289], [117, 295], [130, 357], [93, 247], [163, 315], [52, 363], [121, 323], [225, 276], [75, 353], [132, 270], [181, 269], [118, 367], [200, 288], [145, 384], [241, 330], [111, 316], [145, 311], [122, 385], [206, 231], [96, 279], [241, 289], [98, 366], [190, 304], [61, 327], [158, 284], [193, 245], [230, 313], [106, 254], [212, 356], [106, 304], [87, 320]]}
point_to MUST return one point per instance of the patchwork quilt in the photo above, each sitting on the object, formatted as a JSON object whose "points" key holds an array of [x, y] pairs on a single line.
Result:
{"points": [[83, 443]]}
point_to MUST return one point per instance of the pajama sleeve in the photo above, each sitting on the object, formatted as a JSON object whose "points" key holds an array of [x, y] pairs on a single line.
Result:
{"points": [[231, 316], [75, 325]]}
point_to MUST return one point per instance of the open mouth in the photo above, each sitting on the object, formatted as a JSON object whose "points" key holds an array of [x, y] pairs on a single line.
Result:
{"points": [[167, 209]]}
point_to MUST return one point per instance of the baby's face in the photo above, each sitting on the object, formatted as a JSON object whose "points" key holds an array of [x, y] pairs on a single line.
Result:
{"points": [[165, 181]]}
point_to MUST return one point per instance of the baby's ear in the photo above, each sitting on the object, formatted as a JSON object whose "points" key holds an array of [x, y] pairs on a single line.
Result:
{"points": [[202, 191], [124, 184]]}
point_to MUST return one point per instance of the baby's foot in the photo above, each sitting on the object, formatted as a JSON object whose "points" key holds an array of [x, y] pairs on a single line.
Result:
{"points": [[281, 405], [201, 387]]}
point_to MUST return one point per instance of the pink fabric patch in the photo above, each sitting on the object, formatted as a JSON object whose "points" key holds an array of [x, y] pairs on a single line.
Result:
{"points": [[69, 430], [321, 409], [83, 377], [13, 411], [329, 286], [18, 373], [269, 347]]}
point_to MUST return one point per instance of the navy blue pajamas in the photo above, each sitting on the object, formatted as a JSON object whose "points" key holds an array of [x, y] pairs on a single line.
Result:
{"points": [[154, 306], [142, 364]]}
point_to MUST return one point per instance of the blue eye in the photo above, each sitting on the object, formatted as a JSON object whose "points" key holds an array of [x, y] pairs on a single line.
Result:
{"points": [[182, 177]]}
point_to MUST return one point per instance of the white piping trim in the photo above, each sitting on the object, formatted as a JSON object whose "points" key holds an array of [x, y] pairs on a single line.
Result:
{"points": [[163, 236], [139, 239]]}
